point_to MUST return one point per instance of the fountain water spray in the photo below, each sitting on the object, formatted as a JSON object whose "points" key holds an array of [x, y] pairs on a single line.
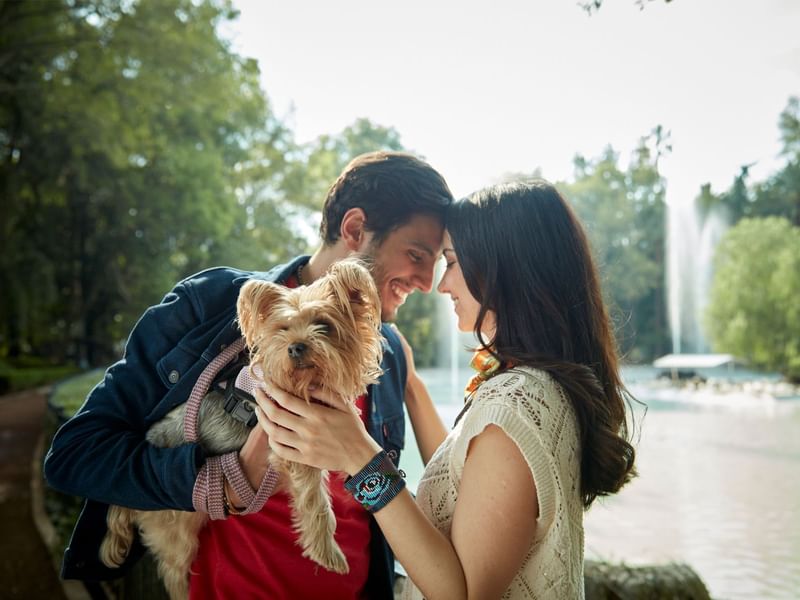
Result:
{"points": [[693, 232]]}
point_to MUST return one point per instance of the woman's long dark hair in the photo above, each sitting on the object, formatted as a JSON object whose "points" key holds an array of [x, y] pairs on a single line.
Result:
{"points": [[525, 256]]}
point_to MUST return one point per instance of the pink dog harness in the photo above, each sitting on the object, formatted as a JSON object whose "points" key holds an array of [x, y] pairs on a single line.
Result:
{"points": [[208, 492]]}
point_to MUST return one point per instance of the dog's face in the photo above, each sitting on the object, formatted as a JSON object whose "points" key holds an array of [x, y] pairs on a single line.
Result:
{"points": [[326, 334]]}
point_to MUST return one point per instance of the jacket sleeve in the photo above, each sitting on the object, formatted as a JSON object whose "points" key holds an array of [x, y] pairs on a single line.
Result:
{"points": [[101, 452]]}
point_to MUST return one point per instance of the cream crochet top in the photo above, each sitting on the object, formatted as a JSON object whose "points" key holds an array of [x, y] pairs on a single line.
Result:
{"points": [[534, 412]]}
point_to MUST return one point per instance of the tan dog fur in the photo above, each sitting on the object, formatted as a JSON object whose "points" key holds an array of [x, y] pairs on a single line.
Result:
{"points": [[337, 318]]}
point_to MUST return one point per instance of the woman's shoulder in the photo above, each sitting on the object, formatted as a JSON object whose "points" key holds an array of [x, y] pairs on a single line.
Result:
{"points": [[523, 395], [532, 409]]}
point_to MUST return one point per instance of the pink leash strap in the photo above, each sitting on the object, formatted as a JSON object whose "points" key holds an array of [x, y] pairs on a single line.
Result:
{"points": [[200, 389], [207, 495]]}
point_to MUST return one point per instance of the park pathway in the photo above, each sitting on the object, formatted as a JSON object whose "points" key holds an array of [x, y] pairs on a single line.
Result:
{"points": [[26, 569]]}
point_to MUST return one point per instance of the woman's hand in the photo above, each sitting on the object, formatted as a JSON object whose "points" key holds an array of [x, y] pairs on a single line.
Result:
{"points": [[326, 436]]}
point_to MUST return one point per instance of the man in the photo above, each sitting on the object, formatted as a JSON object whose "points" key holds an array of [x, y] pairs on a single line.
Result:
{"points": [[387, 206]]}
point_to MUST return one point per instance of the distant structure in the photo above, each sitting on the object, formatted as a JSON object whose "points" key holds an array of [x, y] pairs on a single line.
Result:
{"points": [[685, 366]]}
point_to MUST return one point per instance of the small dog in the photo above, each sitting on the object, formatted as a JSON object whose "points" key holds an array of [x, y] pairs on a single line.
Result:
{"points": [[326, 335]]}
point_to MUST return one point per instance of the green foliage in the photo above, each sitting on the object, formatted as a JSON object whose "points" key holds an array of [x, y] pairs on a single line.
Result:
{"points": [[779, 194], [753, 306], [624, 214], [320, 162], [137, 148], [417, 320], [20, 376], [789, 125], [753, 310]]}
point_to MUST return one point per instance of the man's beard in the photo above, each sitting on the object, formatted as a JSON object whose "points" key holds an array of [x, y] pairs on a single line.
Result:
{"points": [[370, 259]]}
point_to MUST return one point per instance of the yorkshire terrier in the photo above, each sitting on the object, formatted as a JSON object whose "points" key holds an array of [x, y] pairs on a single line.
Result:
{"points": [[324, 335]]}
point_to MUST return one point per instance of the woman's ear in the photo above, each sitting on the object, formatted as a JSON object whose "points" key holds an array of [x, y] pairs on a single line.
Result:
{"points": [[353, 229]]}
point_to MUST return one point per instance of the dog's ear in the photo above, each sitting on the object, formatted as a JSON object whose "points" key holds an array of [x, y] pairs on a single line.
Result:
{"points": [[256, 298], [353, 285]]}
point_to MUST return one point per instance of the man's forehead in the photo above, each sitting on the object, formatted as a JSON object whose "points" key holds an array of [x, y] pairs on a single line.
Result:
{"points": [[423, 233]]}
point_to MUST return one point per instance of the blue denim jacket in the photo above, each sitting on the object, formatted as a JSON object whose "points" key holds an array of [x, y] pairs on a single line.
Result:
{"points": [[101, 452]]}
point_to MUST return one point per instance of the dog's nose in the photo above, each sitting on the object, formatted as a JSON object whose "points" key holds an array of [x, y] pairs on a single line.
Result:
{"points": [[296, 350]]}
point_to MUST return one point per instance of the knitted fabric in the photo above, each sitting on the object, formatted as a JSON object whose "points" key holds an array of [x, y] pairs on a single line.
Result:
{"points": [[536, 414]]}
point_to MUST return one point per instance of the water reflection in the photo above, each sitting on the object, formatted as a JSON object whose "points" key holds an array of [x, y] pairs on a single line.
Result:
{"points": [[718, 487]]}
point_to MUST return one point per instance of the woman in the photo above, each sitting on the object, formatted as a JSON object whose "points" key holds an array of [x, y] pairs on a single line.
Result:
{"points": [[499, 508]]}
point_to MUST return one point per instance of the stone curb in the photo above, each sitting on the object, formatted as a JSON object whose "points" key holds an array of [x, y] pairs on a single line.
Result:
{"points": [[73, 590]]}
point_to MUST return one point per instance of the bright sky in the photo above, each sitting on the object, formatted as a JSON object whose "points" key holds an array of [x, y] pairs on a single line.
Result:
{"points": [[481, 89]]}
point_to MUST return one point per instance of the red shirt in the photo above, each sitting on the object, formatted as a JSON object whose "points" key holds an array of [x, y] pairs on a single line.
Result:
{"points": [[256, 556]]}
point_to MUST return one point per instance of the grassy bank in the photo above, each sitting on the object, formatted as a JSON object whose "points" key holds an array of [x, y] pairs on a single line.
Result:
{"points": [[30, 373], [68, 395]]}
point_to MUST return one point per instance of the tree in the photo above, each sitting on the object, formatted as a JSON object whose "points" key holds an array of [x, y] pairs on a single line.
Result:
{"points": [[753, 311], [624, 214], [779, 194], [135, 142], [31, 36], [317, 164]]}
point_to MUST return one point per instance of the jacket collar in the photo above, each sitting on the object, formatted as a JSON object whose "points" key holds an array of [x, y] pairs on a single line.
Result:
{"points": [[277, 274]]}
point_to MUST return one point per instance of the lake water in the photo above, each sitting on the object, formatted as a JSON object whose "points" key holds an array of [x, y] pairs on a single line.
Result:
{"points": [[718, 486]]}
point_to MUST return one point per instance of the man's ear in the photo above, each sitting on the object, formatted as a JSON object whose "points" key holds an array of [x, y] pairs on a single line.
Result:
{"points": [[256, 298], [353, 229]]}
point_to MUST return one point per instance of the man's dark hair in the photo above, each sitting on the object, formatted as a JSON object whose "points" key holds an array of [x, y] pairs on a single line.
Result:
{"points": [[390, 187]]}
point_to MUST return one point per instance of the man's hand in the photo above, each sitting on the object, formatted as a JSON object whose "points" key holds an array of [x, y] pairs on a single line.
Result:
{"points": [[325, 435]]}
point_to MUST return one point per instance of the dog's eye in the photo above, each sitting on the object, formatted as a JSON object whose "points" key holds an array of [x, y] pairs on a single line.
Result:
{"points": [[325, 326]]}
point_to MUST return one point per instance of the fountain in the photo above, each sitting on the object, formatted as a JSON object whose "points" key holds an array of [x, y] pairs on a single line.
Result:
{"points": [[693, 230]]}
